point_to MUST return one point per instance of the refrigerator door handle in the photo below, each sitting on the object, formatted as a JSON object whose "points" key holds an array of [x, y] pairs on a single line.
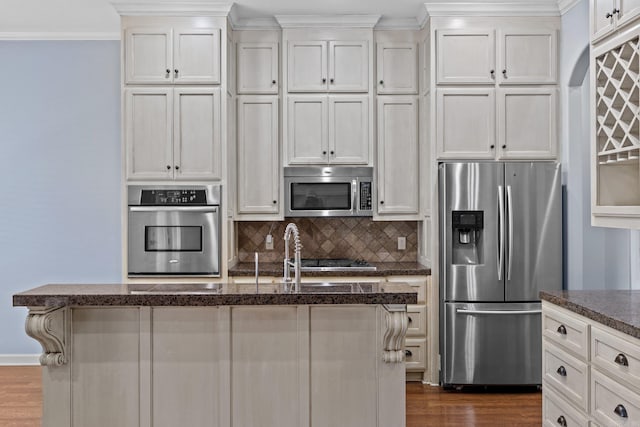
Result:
{"points": [[509, 312], [510, 220], [500, 231]]}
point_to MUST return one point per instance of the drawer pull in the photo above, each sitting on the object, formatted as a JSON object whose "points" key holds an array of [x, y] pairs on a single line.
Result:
{"points": [[410, 320], [562, 371], [562, 421], [621, 411], [408, 353], [621, 359], [562, 330]]}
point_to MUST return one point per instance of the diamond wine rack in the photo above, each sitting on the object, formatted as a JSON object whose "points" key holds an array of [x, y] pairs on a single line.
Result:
{"points": [[617, 104]]}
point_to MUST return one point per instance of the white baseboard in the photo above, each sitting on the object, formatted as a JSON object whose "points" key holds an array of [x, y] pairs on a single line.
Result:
{"points": [[19, 359]]}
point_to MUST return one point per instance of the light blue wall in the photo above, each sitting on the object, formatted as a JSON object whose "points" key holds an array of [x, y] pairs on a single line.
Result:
{"points": [[60, 174], [595, 257]]}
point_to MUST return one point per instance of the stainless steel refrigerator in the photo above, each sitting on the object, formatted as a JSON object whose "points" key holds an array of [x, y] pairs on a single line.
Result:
{"points": [[500, 244]]}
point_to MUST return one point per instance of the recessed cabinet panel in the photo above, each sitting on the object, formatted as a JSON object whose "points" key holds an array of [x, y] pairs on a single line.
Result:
{"points": [[528, 56], [148, 136], [465, 123], [629, 11], [148, 55], [196, 56], [348, 66], [349, 129], [257, 68], [307, 66], [258, 166], [397, 65], [307, 129], [196, 129], [527, 123], [465, 56], [397, 168]]}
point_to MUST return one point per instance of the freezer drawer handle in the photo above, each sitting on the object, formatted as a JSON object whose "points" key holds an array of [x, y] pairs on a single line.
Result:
{"points": [[621, 359], [562, 371], [562, 330], [205, 209], [562, 421], [509, 312], [621, 411]]}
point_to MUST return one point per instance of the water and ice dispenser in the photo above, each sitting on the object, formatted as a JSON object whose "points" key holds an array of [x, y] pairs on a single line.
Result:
{"points": [[467, 229]]}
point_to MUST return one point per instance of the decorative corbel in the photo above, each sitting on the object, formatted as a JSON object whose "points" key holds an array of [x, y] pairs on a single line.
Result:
{"points": [[397, 322], [48, 326]]}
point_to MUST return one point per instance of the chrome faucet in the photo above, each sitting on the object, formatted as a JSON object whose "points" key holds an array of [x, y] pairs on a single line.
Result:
{"points": [[292, 229]]}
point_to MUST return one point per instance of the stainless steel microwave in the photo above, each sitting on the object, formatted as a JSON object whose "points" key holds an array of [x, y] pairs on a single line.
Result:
{"points": [[328, 191]]}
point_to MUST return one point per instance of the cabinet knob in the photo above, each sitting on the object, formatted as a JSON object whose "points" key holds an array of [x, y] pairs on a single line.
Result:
{"points": [[175, 72], [408, 353], [616, 11], [613, 12], [382, 202], [562, 371], [331, 152], [621, 411], [493, 73], [275, 202], [504, 146], [168, 167], [177, 167], [410, 320], [561, 421], [324, 80], [330, 80], [492, 146], [168, 72], [562, 330], [324, 152], [273, 82], [621, 360], [381, 82], [504, 73]]}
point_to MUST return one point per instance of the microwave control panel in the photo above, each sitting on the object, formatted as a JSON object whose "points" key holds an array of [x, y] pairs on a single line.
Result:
{"points": [[365, 196], [173, 197]]}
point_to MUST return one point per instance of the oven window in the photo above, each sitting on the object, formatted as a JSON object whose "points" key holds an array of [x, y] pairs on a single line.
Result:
{"points": [[321, 196], [173, 238]]}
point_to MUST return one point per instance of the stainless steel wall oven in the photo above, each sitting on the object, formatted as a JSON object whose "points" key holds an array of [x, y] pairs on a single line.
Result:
{"points": [[174, 230]]}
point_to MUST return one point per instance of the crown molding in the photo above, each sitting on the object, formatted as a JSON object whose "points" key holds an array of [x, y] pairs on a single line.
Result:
{"points": [[323, 21], [397, 24], [423, 16], [267, 23], [566, 5], [497, 8], [33, 35], [187, 8]]}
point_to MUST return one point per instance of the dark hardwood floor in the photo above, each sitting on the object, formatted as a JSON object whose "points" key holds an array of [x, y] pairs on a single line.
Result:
{"points": [[21, 404]]}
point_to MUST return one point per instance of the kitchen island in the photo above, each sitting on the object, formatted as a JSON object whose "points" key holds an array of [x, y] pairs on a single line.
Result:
{"points": [[591, 357], [221, 354]]}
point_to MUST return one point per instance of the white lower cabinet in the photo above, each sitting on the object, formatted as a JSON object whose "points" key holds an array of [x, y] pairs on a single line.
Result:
{"points": [[596, 384]]}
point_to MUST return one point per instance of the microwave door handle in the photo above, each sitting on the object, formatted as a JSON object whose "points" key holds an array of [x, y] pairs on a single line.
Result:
{"points": [[213, 209], [354, 192]]}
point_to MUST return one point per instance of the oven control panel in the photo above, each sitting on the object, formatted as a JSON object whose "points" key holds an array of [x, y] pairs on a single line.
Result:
{"points": [[165, 197]]}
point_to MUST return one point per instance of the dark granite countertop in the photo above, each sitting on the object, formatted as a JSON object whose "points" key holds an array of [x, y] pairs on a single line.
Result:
{"points": [[619, 310], [275, 269], [214, 294]]}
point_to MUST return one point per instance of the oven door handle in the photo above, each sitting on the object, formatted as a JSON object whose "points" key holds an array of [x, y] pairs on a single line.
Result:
{"points": [[213, 209]]}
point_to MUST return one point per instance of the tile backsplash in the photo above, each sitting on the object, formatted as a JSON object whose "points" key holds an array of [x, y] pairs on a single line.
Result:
{"points": [[348, 237]]}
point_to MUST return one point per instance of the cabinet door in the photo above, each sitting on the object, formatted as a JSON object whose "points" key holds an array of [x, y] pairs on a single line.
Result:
{"points": [[527, 123], [398, 186], [465, 56], [465, 123], [307, 66], [258, 166], [629, 11], [196, 133], [148, 55], [397, 65], [349, 129], [527, 56], [148, 121], [601, 17], [196, 56], [348, 66], [257, 68], [307, 129]]}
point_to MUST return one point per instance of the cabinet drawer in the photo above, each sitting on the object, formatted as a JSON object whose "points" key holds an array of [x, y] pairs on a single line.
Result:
{"points": [[417, 321], [613, 404], [415, 352], [567, 331], [558, 412], [615, 355], [567, 374]]}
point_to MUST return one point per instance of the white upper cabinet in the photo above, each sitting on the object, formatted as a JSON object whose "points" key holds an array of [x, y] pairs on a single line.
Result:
{"points": [[172, 55], [609, 15], [524, 56], [257, 68], [397, 68], [328, 129], [172, 133], [465, 56], [334, 66]]}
